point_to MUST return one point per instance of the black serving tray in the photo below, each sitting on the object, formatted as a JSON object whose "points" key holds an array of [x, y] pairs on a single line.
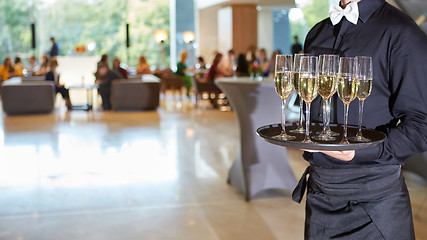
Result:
{"points": [[269, 131]]}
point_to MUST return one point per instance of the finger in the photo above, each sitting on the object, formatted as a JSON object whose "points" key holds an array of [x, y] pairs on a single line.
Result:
{"points": [[309, 150]]}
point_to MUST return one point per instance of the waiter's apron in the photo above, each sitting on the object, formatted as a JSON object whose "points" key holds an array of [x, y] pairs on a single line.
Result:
{"points": [[361, 203]]}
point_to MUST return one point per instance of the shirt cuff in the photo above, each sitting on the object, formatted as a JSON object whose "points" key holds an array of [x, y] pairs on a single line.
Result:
{"points": [[368, 154]]}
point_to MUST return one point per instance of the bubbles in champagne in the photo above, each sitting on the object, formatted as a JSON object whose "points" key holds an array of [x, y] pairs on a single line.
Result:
{"points": [[308, 87], [296, 81], [327, 86], [347, 89], [364, 88], [283, 83]]}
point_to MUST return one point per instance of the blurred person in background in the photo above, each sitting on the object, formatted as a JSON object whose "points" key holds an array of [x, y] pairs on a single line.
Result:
{"points": [[228, 64], [214, 71], [19, 66], [263, 62], [251, 55], [103, 60], [142, 67], [105, 78], [123, 73], [242, 66], [44, 67], [7, 70], [272, 62], [54, 50], [181, 70], [181, 67], [296, 47], [200, 70], [53, 76], [34, 67], [201, 63]]}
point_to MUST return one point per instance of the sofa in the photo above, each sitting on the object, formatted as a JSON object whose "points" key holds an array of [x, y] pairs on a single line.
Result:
{"points": [[134, 94], [28, 97]]}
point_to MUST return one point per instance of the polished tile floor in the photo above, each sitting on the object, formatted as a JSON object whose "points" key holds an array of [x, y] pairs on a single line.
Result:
{"points": [[155, 175]]}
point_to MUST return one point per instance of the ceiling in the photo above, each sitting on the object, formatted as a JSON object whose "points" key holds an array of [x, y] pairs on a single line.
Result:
{"points": [[208, 3], [417, 9]]}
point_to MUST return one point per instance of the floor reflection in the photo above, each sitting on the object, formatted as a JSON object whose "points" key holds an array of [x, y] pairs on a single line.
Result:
{"points": [[137, 175]]}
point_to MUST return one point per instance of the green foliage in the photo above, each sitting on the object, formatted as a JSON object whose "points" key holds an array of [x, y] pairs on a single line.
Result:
{"points": [[80, 22], [146, 21], [300, 29], [15, 28], [316, 12]]}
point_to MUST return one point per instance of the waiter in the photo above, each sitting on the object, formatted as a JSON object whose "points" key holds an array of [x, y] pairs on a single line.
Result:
{"points": [[362, 194]]}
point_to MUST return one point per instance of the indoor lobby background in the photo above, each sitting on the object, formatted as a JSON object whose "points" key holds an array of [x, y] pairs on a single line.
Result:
{"points": [[160, 174]]}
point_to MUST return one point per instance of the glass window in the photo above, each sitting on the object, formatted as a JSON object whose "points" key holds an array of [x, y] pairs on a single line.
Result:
{"points": [[84, 27]]}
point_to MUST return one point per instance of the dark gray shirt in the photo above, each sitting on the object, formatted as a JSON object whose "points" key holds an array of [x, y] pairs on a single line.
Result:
{"points": [[54, 51], [399, 51]]}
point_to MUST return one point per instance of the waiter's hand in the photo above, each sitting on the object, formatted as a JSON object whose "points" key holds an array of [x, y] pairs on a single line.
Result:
{"points": [[341, 155]]}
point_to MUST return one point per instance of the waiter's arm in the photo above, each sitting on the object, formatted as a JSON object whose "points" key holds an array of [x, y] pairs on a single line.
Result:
{"points": [[408, 99], [407, 103]]}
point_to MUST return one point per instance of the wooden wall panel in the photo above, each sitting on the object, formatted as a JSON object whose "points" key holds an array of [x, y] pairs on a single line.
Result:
{"points": [[245, 27], [213, 31]]}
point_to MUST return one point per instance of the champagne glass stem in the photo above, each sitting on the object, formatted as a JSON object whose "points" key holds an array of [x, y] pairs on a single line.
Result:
{"points": [[345, 141], [328, 113], [283, 115], [359, 134], [325, 117], [307, 122], [301, 114]]}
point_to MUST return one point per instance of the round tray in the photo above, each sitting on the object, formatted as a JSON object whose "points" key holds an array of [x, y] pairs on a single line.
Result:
{"points": [[269, 131]]}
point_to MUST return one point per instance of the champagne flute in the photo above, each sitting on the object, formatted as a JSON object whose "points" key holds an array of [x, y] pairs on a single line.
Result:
{"points": [[328, 68], [328, 114], [283, 84], [364, 77], [295, 70], [347, 87], [308, 84]]}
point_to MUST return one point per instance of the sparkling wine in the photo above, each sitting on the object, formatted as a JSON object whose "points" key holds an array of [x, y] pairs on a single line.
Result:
{"points": [[283, 83], [308, 86], [296, 82], [364, 88], [347, 89], [327, 86]]}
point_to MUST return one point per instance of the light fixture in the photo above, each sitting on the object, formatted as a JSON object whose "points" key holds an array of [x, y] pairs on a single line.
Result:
{"points": [[296, 14], [188, 37], [91, 46], [160, 35]]}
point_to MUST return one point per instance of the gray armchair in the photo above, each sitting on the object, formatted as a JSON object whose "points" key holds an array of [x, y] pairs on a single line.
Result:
{"points": [[134, 94], [28, 97]]}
